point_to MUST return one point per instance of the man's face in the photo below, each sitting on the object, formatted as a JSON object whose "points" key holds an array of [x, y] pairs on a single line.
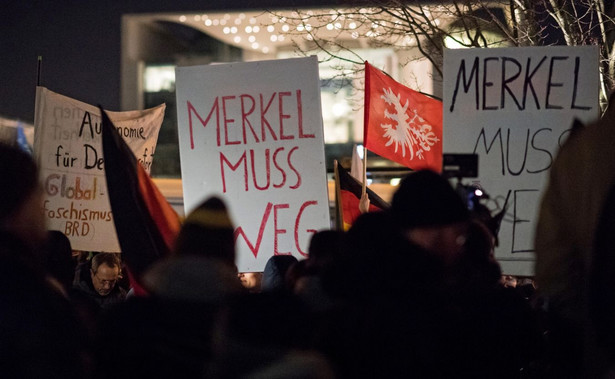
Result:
{"points": [[104, 279]]}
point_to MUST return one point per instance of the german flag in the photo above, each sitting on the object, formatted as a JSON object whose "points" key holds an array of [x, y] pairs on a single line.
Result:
{"points": [[347, 196], [145, 223]]}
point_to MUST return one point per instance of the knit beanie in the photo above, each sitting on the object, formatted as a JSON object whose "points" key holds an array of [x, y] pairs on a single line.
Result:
{"points": [[426, 199], [208, 232], [19, 177], [192, 278]]}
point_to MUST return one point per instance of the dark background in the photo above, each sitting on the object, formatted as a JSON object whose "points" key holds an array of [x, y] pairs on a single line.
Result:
{"points": [[80, 45]]}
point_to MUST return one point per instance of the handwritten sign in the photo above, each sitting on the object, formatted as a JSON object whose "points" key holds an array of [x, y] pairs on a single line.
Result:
{"points": [[251, 133], [514, 107], [68, 147]]}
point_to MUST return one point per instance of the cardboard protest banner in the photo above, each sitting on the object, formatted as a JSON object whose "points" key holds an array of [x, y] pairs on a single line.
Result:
{"points": [[68, 147], [514, 107], [251, 134]]}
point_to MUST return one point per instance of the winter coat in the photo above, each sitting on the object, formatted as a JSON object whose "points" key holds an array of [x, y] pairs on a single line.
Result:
{"points": [[84, 286], [39, 333]]}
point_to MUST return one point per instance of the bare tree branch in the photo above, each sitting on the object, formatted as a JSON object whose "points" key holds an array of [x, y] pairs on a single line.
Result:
{"points": [[427, 28]]}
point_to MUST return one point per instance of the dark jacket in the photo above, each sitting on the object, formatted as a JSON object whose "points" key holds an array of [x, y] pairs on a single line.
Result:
{"points": [[39, 333], [84, 285]]}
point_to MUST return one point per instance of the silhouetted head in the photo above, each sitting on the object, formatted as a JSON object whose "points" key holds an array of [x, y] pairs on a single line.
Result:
{"points": [[59, 258], [22, 196], [274, 275], [325, 246], [377, 260], [208, 232], [431, 214]]}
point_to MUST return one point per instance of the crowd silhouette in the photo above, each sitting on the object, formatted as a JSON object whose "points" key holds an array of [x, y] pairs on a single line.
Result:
{"points": [[413, 291]]}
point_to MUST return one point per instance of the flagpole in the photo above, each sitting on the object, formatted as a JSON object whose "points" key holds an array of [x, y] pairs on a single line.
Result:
{"points": [[339, 223], [38, 70], [364, 187]]}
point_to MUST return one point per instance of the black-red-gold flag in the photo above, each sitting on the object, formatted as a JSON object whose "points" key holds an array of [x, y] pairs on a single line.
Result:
{"points": [[348, 195], [145, 223]]}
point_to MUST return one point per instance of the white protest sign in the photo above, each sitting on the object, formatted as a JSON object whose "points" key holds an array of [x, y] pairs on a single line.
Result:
{"points": [[252, 134], [68, 147], [514, 107]]}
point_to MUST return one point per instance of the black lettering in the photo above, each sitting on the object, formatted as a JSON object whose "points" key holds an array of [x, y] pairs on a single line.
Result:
{"points": [[507, 79], [550, 83], [488, 148], [547, 152], [529, 75], [517, 220], [466, 82], [527, 138], [487, 84], [87, 120], [577, 61], [96, 162]]}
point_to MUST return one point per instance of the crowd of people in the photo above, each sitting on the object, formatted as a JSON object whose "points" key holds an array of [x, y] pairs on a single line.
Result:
{"points": [[413, 291]]}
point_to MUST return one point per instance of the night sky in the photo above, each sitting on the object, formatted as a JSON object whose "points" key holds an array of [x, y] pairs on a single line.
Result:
{"points": [[80, 45]]}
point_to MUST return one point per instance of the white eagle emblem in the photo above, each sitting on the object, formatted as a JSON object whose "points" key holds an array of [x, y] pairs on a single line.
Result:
{"points": [[410, 132]]}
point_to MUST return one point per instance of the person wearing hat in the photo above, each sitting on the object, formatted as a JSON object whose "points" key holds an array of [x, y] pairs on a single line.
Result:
{"points": [[170, 332], [431, 214], [205, 244], [208, 232], [477, 312]]}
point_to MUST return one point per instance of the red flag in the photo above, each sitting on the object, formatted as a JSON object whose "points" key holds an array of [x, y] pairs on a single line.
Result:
{"points": [[145, 222], [348, 194], [401, 124]]}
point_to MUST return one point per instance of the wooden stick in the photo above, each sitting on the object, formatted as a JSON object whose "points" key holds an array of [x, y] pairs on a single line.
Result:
{"points": [[364, 187], [339, 217]]}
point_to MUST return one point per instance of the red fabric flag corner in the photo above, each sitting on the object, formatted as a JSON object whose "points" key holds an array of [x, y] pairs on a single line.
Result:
{"points": [[401, 124]]}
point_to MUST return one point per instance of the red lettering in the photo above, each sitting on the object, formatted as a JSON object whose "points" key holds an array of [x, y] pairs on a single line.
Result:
{"points": [[233, 168], [294, 169], [277, 231], [282, 115], [297, 221], [227, 121], [264, 118], [259, 239], [191, 110], [275, 163], [300, 117], [244, 117], [267, 170]]}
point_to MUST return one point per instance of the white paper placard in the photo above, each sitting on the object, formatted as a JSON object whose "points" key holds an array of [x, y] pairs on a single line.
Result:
{"points": [[514, 107], [68, 147], [251, 134]]}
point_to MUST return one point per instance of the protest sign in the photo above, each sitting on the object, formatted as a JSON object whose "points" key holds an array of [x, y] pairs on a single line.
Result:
{"points": [[514, 107], [251, 133], [68, 147]]}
